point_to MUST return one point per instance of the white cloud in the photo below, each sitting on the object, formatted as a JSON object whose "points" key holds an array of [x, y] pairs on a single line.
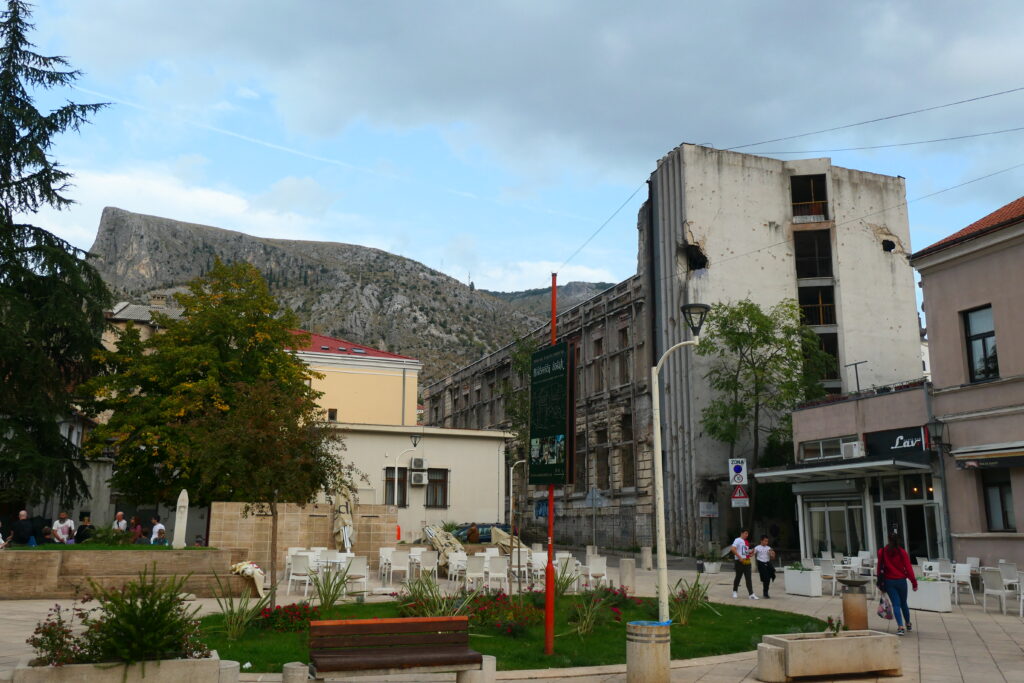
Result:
{"points": [[303, 195]]}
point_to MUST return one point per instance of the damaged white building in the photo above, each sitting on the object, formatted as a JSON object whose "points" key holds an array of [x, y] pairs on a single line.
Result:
{"points": [[717, 226]]}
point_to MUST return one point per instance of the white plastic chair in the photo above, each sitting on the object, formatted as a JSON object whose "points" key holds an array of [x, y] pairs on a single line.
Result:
{"points": [[300, 571], [945, 570], [399, 563], [476, 570], [358, 569], [428, 563], [864, 555], [962, 577], [992, 584], [828, 573], [497, 570], [492, 551], [974, 563], [519, 560], [1020, 594], [384, 561], [597, 570], [1008, 570], [456, 565], [538, 567]]}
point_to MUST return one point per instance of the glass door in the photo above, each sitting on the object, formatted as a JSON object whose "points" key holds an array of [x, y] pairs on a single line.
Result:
{"points": [[835, 528]]}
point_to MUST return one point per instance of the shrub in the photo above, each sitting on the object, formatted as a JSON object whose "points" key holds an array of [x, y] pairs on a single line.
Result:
{"points": [[508, 615], [687, 597], [330, 586], [590, 610], [293, 617], [424, 598], [240, 613], [105, 536], [143, 621]]}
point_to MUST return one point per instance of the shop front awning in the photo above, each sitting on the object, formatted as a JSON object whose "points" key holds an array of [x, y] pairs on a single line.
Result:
{"points": [[1009, 454], [870, 466]]}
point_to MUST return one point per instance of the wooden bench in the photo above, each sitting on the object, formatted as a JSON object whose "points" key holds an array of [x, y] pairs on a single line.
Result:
{"points": [[365, 647]]}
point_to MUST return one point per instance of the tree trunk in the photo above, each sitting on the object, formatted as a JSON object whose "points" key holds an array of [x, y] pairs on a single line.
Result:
{"points": [[273, 553], [753, 461]]}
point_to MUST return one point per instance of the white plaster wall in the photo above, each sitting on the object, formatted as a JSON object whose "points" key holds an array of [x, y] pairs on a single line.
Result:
{"points": [[475, 460]]}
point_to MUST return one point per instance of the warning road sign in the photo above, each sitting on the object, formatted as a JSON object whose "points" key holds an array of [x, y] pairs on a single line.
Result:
{"points": [[739, 498]]}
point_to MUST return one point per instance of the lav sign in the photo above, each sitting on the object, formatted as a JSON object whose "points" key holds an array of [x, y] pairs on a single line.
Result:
{"points": [[738, 471]]}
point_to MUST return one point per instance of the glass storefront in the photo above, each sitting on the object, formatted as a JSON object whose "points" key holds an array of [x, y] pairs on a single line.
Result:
{"points": [[906, 504]]}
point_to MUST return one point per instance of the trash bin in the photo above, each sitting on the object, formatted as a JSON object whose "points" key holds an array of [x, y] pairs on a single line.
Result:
{"points": [[648, 651]]}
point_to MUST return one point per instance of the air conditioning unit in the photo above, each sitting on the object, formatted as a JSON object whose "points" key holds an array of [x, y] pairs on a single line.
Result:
{"points": [[418, 478], [417, 463], [852, 450]]}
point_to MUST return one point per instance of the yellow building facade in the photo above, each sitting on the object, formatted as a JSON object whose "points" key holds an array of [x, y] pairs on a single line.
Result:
{"points": [[362, 385]]}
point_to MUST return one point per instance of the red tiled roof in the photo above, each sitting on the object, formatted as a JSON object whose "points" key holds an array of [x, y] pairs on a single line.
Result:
{"points": [[1007, 215], [319, 343]]}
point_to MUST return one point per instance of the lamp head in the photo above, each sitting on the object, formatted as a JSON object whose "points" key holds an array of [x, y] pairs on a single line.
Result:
{"points": [[694, 315], [936, 432], [415, 438]]}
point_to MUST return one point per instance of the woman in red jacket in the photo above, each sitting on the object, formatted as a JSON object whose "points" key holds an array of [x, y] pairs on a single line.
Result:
{"points": [[895, 568]]}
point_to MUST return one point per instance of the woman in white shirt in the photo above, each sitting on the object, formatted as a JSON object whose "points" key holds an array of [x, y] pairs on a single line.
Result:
{"points": [[764, 555]]}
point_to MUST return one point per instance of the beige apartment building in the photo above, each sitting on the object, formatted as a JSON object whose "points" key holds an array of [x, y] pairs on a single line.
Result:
{"points": [[973, 286]]}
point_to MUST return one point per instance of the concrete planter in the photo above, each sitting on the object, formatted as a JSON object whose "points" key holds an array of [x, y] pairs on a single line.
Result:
{"points": [[806, 583], [712, 567], [931, 596], [161, 671], [783, 657]]}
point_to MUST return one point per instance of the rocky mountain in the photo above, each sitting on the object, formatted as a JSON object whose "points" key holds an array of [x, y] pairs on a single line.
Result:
{"points": [[365, 295], [537, 302]]}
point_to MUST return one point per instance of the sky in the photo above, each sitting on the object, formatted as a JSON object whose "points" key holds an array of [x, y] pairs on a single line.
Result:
{"points": [[491, 140]]}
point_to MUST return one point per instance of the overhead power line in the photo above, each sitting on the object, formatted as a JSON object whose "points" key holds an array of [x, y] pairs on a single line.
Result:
{"points": [[880, 118], [898, 144]]}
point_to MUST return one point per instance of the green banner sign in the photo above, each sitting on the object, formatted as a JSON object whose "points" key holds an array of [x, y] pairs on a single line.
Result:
{"points": [[549, 403]]}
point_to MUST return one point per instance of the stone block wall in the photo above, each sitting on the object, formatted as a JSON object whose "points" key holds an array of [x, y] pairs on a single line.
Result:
{"points": [[298, 526], [27, 574]]}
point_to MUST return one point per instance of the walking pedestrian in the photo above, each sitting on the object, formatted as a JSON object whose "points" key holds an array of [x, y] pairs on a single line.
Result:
{"points": [[894, 569], [741, 563], [764, 555]]}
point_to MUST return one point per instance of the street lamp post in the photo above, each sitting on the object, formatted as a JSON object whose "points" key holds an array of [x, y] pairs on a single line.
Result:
{"points": [[512, 523], [694, 315], [415, 438]]}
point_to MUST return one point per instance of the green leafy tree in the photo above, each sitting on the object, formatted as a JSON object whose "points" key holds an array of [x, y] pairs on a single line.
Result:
{"points": [[270, 447], [52, 301], [766, 362], [516, 395], [160, 393]]}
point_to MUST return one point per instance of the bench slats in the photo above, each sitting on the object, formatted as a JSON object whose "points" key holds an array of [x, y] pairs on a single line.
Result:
{"points": [[399, 658], [357, 626], [342, 643]]}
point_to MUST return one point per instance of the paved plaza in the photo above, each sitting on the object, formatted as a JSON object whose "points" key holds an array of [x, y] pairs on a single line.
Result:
{"points": [[964, 645]]}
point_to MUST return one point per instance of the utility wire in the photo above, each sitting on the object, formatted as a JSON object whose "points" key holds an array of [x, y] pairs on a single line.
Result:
{"points": [[881, 118], [898, 144], [601, 227]]}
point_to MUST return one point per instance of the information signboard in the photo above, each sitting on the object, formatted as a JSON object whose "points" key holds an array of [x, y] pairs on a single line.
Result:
{"points": [[738, 471], [549, 403]]}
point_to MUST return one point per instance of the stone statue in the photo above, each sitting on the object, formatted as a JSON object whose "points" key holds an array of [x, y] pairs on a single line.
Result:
{"points": [[180, 521], [344, 527]]}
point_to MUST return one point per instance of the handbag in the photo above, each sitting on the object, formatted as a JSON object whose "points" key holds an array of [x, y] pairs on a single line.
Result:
{"points": [[884, 607]]}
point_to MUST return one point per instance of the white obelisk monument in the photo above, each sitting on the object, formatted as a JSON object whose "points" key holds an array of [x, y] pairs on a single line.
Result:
{"points": [[181, 521]]}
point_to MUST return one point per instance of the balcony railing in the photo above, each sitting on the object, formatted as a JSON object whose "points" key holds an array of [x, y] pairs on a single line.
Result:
{"points": [[810, 212], [818, 314]]}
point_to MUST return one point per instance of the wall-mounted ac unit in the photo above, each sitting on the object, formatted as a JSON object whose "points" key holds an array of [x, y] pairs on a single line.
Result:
{"points": [[852, 450], [418, 478], [417, 463]]}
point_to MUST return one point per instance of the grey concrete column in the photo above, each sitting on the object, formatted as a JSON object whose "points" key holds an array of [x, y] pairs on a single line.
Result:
{"points": [[645, 559], [487, 674], [627, 574], [228, 671], [294, 672]]}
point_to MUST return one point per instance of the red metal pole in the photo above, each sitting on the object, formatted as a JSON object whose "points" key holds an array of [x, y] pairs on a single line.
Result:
{"points": [[549, 571]]}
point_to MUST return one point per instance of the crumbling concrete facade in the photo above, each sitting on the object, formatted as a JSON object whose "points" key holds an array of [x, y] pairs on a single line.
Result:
{"points": [[717, 227]]}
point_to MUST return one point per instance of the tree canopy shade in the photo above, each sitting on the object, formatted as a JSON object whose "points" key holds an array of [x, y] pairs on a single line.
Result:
{"points": [[765, 363], [232, 338], [52, 301]]}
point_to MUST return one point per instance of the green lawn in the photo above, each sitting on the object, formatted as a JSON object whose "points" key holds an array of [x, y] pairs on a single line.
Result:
{"points": [[737, 630]]}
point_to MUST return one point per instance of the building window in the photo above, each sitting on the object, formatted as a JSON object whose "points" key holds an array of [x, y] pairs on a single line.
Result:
{"points": [[403, 486], [579, 465], [598, 376], [998, 493], [810, 198], [981, 344], [598, 347], [813, 252], [830, 345], [825, 448], [437, 488], [623, 338], [624, 374], [332, 414], [817, 306]]}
